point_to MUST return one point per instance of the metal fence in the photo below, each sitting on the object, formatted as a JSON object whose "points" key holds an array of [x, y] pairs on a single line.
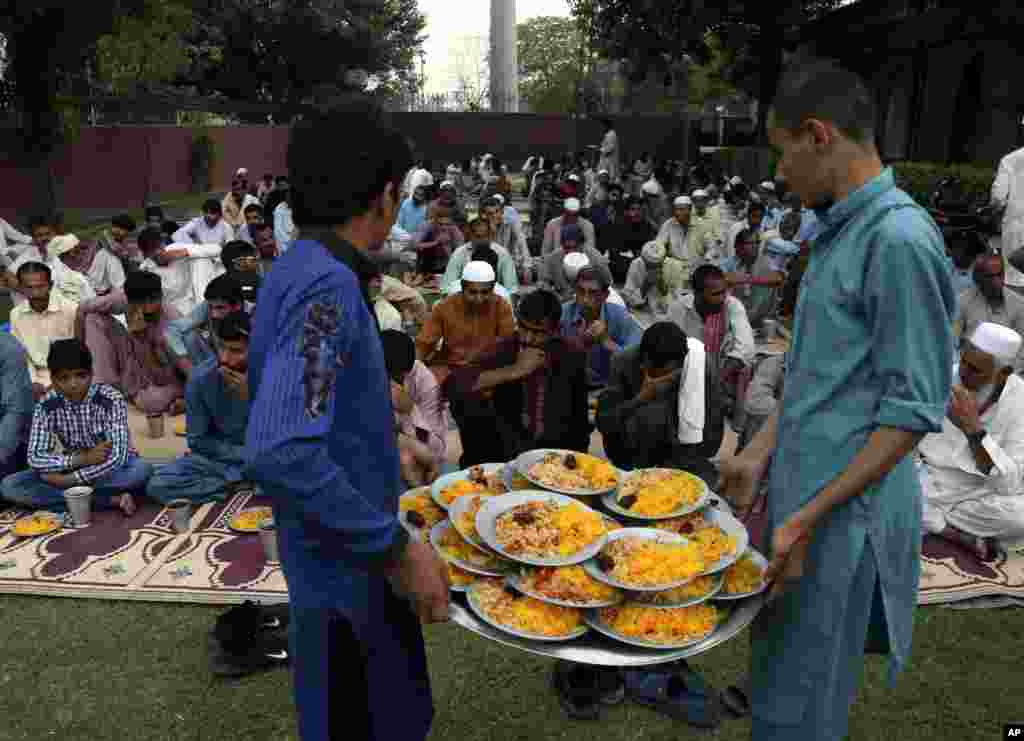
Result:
{"points": [[455, 102]]}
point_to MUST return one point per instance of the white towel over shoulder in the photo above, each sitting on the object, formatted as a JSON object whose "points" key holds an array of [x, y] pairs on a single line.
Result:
{"points": [[691, 395]]}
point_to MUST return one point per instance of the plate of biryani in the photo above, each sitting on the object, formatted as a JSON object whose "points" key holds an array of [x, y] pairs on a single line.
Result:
{"points": [[646, 560], [483, 479], [651, 627], [657, 493], [523, 616], [463, 517], [249, 520], [721, 536], [541, 529], [699, 590], [515, 481], [568, 586], [37, 523], [459, 580], [745, 578], [453, 548], [568, 472], [418, 512]]}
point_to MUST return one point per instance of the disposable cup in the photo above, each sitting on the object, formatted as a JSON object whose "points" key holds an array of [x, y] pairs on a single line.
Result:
{"points": [[156, 425], [181, 514], [770, 329], [268, 536], [79, 501]]}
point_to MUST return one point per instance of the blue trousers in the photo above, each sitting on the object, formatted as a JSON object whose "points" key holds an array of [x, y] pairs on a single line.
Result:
{"points": [[27, 488], [193, 477]]}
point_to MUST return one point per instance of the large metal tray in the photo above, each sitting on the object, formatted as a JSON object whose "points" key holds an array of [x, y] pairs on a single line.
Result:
{"points": [[594, 648]]}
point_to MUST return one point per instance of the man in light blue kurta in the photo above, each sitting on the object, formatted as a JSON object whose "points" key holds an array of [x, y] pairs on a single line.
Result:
{"points": [[869, 374]]}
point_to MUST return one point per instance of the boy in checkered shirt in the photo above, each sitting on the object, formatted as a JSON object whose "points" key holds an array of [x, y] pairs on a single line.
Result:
{"points": [[89, 422]]}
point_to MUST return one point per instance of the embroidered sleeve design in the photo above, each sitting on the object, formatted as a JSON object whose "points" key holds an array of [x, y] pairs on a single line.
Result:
{"points": [[318, 347]]}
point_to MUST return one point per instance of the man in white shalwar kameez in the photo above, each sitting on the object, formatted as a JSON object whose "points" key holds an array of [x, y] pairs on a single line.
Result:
{"points": [[971, 473], [610, 152]]}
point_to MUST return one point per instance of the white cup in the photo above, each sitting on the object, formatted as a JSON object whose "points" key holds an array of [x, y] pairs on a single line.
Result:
{"points": [[268, 536], [79, 501]]}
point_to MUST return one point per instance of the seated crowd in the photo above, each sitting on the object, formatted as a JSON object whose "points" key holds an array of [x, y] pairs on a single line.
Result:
{"points": [[527, 343]]}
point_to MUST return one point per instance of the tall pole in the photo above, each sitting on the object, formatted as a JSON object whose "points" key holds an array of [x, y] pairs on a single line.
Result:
{"points": [[503, 64]]}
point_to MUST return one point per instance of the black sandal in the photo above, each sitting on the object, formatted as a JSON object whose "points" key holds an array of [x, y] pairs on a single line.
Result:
{"points": [[736, 699]]}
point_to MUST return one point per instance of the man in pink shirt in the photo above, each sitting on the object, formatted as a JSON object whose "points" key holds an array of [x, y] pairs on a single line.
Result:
{"points": [[421, 420]]}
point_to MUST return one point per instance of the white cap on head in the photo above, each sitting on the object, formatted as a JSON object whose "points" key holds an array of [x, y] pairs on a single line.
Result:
{"points": [[499, 198], [574, 177], [478, 271], [768, 185], [241, 171], [573, 263], [654, 253], [699, 193], [651, 188], [448, 184], [1002, 343], [736, 180], [61, 245], [603, 172], [572, 204], [682, 201]]}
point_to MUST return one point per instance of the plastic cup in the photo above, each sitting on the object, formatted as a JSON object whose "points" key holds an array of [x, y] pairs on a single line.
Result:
{"points": [[156, 425], [770, 329], [79, 501], [268, 536], [181, 514]]}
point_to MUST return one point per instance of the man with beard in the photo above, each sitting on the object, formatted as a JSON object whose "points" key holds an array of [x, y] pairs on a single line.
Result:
{"points": [[253, 214], [989, 301], [217, 412], [601, 328], [685, 240], [552, 273], [210, 228], [528, 392], [104, 272], [755, 276], [507, 230], [868, 375], [571, 215], [622, 241], [413, 213], [478, 232], [654, 280], [234, 204], [971, 473], [44, 318], [193, 340]]}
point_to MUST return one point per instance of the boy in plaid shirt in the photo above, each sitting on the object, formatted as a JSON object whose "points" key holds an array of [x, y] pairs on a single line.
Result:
{"points": [[90, 423]]}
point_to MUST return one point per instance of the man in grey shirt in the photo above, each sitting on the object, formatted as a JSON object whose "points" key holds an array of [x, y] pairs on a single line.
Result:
{"points": [[989, 301]]}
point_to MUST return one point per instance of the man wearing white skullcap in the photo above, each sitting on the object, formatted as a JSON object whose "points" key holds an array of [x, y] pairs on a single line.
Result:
{"points": [[653, 281], [553, 231], [972, 473], [988, 300], [552, 269], [656, 206], [685, 240]]}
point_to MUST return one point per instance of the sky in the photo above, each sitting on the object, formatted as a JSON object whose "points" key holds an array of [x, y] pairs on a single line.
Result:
{"points": [[450, 22]]}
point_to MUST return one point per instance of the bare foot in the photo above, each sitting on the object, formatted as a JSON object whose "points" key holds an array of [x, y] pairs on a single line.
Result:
{"points": [[127, 504]]}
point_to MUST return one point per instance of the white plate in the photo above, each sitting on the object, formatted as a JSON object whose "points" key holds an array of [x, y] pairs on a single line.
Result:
{"points": [[760, 561], [443, 482], [486, 520], [460, 506], [727, 522], [409, 527], [508, 474], [529, 458], [593, 619], [718, 582], [516, 582], [435, 539], [610, 499], [471, 601], [662, 536]]}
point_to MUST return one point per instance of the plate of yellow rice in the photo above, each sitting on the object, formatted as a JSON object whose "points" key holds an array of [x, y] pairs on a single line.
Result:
{"points": [[249, 520], [646, 560], [651, 627], [459, 580], [657, 494], [38, 523], [745, 578], [699, 590], [568, 586], [541, 528], [523, 616], [723, 541], [463, 517], [418, 511], [453, 548], [568, 472], [483, 479]]}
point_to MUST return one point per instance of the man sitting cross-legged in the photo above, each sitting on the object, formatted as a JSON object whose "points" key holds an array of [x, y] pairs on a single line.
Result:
{"points": [[662, 409], [135, 359], [217, 410], [193, 340], [530, 392], [46, 316], [90, 423], [420, 420], [972, 472]]}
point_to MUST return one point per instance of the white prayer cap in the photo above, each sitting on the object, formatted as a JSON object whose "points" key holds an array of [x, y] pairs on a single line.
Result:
{"points": [[654, 253], [574, 177], [241, 171], [699, 193], [768, 185], [572, 204], [478, 271], [736, 180], [448, 184], [651, 188], [573, 263], [61, 245], [603, 172], [1002, 343], [499, 198], [682, 201]]}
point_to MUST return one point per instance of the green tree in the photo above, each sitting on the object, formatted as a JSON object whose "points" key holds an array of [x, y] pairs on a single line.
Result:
{"points": [[549, 65], [142, 50]]}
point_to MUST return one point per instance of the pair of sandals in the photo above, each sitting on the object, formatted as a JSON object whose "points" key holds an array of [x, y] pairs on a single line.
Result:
{"points": [[674, 690], [249, 638]]}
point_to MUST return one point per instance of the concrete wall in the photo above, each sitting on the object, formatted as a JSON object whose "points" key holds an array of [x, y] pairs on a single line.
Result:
{"points": [[107, 167]]}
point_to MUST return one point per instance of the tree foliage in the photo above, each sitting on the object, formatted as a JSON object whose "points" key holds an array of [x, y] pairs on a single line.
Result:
{"points": [[143, 50], [549, 64]]}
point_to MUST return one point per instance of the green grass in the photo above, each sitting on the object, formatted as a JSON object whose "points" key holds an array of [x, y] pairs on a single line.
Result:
{"points": [[83, 669], [79, 222]]}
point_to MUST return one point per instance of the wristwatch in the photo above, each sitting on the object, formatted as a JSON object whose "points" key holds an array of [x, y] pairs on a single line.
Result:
{"points": [[975, 438]]}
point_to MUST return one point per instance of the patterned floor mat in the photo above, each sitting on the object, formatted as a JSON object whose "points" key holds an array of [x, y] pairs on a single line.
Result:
{"points": [[950, 573]]}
